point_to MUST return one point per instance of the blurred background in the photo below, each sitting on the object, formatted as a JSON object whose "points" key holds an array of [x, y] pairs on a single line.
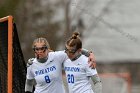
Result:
{"points": [[110, 28]]}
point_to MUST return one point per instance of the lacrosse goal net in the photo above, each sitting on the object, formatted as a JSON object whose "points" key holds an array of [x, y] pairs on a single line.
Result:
{"points": [[12, 65]]}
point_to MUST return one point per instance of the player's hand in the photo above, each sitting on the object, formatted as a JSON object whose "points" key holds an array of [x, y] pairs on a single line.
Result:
{"points": [[30, 62], [91, 61]]}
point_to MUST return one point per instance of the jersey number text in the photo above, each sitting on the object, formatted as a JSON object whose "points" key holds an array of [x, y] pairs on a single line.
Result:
{"points": [[70, 78], [47, 79]]}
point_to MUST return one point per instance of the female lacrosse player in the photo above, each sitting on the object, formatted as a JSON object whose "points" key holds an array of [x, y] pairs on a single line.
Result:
{"points": [[45, 69], [78, 72]]}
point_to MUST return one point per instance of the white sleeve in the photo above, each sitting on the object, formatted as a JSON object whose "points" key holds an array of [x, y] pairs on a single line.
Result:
{"points": [[29, 85], [29, 74], [61, 55], [90, 71]]}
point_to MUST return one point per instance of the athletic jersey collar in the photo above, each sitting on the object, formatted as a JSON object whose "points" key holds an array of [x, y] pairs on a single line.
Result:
{"points": [[76, 57]]}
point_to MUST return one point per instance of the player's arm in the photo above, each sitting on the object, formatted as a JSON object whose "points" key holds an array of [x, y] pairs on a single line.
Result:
{"points": [[29, 85], [91, 57], [29, 82], [97, 83], [89, 54]]}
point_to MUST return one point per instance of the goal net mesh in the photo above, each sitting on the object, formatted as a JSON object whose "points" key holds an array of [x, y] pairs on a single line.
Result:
{"points": [[18, 64]]}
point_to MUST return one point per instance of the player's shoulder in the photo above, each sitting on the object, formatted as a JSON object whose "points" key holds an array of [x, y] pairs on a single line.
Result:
{"points": [[83, 57], [54, 54], [59, 53], [84, 60]]}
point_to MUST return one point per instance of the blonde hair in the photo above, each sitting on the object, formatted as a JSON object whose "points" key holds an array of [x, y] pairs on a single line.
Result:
{"points": [[41, 40]]}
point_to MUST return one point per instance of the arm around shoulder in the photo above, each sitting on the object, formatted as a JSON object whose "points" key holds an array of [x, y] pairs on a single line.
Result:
{"points": [[85, 52], [91, 57]]}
